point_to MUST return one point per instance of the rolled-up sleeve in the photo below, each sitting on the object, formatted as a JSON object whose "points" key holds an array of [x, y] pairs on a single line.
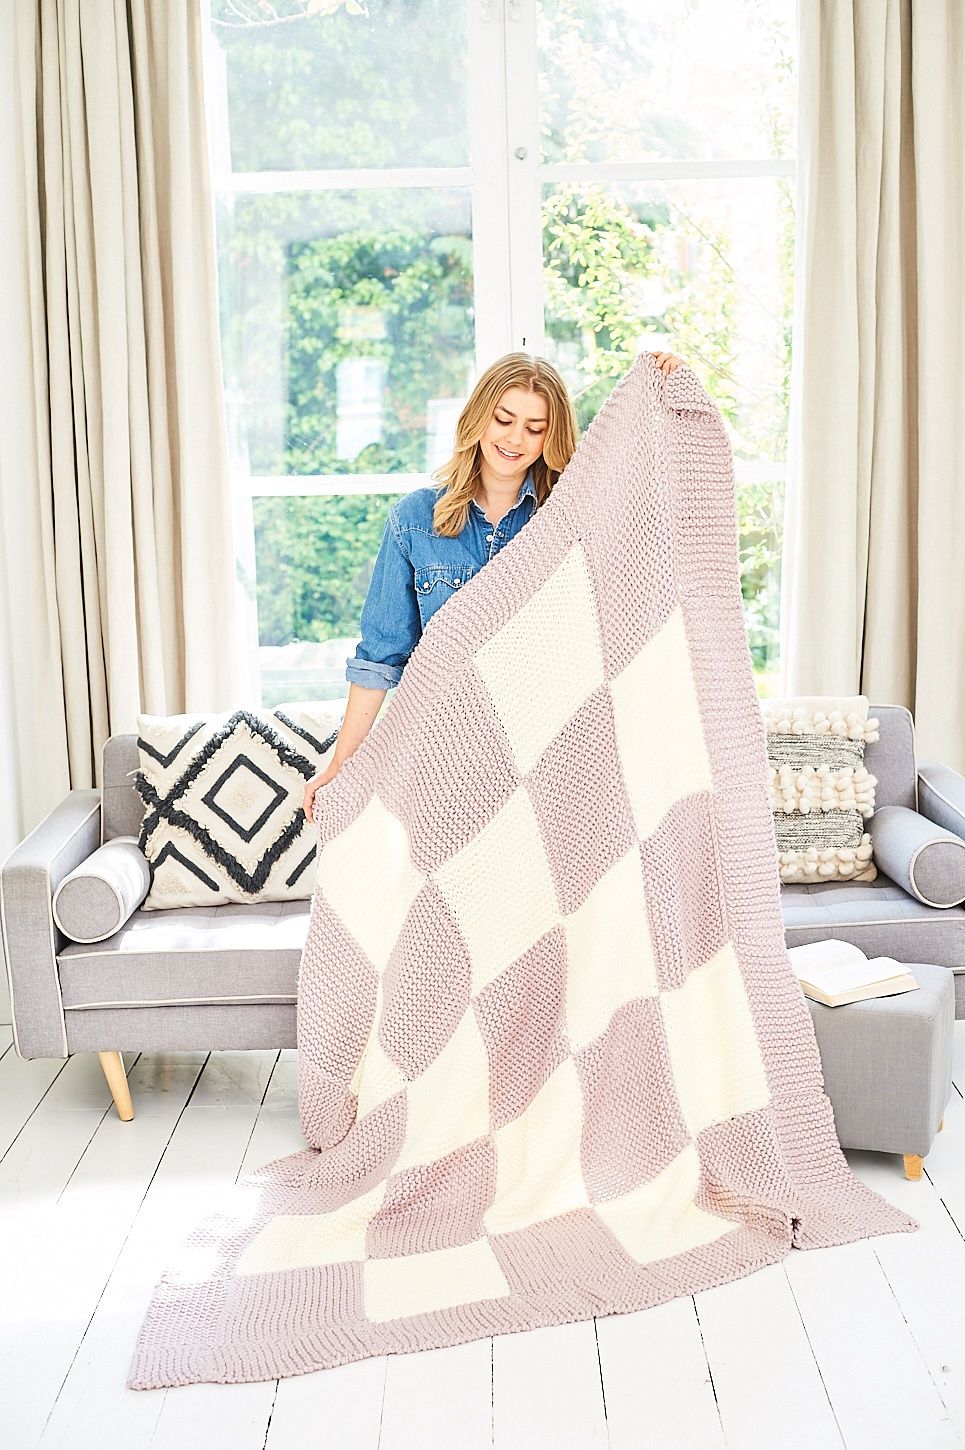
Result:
{"points": [[390, 623]]}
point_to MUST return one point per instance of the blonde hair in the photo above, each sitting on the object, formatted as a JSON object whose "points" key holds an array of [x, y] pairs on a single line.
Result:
{"points": [[461, 475]]}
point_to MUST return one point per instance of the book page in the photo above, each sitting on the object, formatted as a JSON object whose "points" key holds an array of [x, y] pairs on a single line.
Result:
{"points": [[817, 955], [845, 976]]}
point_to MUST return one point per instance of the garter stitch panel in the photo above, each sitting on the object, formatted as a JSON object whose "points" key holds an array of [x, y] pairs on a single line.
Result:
{"points": [[553, 1061]]}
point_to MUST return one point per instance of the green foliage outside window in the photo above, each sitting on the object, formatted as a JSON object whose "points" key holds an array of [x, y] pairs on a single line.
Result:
{"points": [[318, 279]]}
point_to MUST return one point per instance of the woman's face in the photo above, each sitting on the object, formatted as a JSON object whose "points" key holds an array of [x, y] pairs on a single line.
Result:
{"points": [[514, 436]]}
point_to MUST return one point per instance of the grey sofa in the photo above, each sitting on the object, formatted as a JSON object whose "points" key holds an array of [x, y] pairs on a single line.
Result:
{"points": [[225, 977]]}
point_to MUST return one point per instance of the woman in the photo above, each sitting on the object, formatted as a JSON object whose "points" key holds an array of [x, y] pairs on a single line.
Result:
{"points": [[514, 437]]}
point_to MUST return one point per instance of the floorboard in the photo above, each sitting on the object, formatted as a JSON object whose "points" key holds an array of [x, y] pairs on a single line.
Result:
{"points": [[856, 1347]]}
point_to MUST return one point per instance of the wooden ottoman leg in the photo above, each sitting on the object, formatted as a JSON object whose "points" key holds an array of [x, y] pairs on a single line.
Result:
{"points": [[914, 1162], [113, 1065]]}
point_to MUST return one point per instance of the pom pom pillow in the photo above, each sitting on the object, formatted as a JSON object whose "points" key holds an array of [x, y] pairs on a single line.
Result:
{"points": [[223, 796], [821, 792]]}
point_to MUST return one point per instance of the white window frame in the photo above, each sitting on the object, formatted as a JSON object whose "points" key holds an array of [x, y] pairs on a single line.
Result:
{"points": [[505, 180]]}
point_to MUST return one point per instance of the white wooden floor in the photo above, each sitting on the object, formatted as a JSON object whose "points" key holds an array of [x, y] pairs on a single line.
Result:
{"points": [[861, 1346]]}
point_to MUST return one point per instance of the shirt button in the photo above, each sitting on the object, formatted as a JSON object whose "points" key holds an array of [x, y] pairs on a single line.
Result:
{"points": [[488, 538], [426, 585], [457, 582]]}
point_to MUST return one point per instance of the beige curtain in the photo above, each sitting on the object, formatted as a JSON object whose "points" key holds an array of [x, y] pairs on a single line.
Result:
{"points": [[117, 538], [873, 581]]}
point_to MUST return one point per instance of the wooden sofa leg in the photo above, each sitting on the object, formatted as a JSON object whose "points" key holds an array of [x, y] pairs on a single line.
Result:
{"points": [[113, 1065]]}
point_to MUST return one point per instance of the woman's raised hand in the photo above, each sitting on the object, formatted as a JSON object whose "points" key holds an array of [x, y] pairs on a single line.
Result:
{"points": [[666, 361]]}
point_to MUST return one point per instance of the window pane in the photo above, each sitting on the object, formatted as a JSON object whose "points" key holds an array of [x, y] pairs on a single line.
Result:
{"points": [[387, 87], [313, 561], [347, 323], [625, 81], [760, 524], [699, 268], [348, 317], [702, 269]]}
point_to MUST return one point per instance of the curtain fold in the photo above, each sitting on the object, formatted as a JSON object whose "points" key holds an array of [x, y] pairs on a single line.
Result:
{"points": [[118, 544], [872, 582]]}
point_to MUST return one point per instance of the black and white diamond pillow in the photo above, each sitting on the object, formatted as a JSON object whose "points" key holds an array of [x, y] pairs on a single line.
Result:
{"points": [[223, 795]]}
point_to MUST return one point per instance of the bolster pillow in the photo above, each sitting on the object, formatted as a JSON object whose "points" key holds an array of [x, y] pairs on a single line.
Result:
{"points": [[97, 897], [924, 858]]}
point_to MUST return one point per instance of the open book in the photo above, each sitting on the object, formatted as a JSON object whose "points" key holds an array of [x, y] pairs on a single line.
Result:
{"points": [[835, 972]]}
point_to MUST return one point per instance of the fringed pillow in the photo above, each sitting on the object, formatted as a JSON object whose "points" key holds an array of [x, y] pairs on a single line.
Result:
{"points": [[821, 792], [223, 797]]}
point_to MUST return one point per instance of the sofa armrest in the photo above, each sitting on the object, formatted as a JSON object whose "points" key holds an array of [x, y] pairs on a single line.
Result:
{"points": [[923, 858], [30, 937], [941, 795]]}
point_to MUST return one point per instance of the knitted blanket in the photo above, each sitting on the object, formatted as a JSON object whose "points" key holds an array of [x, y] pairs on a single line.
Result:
{"points": [[553, 1061]]}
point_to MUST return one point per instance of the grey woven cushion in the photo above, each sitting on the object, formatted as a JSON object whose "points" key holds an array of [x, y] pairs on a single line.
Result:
{"points": [[924, 859], [97, 897]]}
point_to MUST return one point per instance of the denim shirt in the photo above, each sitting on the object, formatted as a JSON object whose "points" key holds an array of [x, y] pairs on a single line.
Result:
{"points": [[417, 570]]}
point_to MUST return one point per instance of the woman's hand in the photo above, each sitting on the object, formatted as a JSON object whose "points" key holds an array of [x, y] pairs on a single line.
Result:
{"points": [[666, 361], [323, 778], [361, 709]]}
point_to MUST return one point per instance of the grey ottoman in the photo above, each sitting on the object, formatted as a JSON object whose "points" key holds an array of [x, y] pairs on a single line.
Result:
{"points": [[887, 1065]]}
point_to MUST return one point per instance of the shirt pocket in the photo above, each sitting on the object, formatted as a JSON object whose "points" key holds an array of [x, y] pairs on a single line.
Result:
{"points": [[435, 583]]}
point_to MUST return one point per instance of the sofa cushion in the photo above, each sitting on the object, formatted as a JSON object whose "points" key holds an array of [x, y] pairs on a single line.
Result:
{"points": [[878, 916], [98, 896], [190, 955], [251, 953], [820, 789], [223, 793]]}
